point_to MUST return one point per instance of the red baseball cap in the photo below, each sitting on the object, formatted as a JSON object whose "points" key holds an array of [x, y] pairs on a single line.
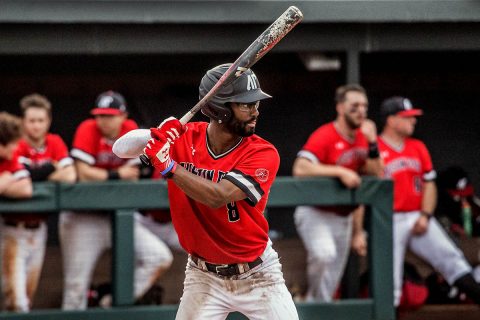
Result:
{"points": [[399, 106], [109, 103]]}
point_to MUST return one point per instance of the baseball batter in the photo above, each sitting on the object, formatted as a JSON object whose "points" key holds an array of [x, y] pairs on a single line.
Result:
{"points": [[18, 274], [343, 149], [85, 235], [408, 163], [219, 177]]}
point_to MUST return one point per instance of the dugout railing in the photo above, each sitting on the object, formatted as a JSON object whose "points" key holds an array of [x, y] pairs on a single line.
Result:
{"points": [[125, 197]]}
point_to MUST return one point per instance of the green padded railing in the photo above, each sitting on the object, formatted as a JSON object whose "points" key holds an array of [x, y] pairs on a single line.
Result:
{"points": [[125, 197]]}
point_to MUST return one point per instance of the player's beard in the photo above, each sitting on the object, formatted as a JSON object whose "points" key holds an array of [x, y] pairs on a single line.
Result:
{"points": [[351, 123], [240, 127]]}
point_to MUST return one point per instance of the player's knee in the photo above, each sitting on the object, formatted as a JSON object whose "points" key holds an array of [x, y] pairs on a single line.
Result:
{"points": [[323, 256]]}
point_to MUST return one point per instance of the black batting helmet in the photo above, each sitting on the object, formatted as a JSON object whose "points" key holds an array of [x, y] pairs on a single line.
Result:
{"points": [[244, 89]]}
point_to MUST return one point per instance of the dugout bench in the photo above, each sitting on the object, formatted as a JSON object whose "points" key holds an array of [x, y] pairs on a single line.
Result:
{"points": [[125, 197]]}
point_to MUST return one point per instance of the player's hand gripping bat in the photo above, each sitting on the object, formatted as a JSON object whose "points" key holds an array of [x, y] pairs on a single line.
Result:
{"points": [[131, 145]]}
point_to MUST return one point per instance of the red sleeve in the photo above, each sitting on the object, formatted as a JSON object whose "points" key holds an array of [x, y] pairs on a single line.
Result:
{"points": [[22, 148], [16, 168], [316, 145], [427, 166], [86, 142], [256, 173], [129, 125], [86, 137], [60, 150]]}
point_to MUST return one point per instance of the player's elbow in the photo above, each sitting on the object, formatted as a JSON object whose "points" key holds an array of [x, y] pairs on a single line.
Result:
{"points": [[300, 168], [217, 199], [215, 202]]}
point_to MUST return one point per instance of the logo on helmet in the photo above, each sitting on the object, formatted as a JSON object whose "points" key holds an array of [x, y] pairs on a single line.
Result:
{"points": [[252, 82]]}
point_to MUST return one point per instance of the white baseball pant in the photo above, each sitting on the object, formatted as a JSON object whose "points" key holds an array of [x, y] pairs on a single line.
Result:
{"points": [[85, 236], [23, 251], [326, 237], [165, 231], [434, 246], [259, 293]]}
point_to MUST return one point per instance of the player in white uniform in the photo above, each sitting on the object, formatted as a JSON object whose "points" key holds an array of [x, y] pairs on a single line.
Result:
{"points": [[85, 235], [344, 149], [408, 163]]}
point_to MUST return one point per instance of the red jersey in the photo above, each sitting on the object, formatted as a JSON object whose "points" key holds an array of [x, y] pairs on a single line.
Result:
{"points": [[409, 167], [14, 167], [54, 150], [327, 146], [238, 231], [92, 148]]}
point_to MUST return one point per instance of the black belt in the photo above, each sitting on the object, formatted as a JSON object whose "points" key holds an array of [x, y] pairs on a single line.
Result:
{"points": [[227, 270], [24, 224]]}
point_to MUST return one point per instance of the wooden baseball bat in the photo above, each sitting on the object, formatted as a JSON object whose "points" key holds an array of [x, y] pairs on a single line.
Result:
{"points": [[132, 144], [264, 43]]}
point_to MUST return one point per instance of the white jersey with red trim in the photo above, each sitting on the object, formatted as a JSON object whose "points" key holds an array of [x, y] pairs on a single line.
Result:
{"points": [[409, 166], [238, 231]]}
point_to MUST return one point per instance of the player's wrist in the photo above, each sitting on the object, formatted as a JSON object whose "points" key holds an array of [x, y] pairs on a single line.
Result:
{"points": [[373, 152], [113, 175], [170, 170], [426, 214]]}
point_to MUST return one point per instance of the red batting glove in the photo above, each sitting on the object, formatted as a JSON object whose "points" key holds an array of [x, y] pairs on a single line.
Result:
{"points": [[159, 153], [171, 128]]}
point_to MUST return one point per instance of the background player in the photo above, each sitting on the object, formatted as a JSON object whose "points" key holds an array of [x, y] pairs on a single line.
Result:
{"points": [[408, 163], [342, 149], [218, 193], [45, 156], [16, 240], [85, 235]]}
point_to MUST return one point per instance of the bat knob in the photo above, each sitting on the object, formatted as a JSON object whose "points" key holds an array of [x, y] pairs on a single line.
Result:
{"points": [[145, 160]]}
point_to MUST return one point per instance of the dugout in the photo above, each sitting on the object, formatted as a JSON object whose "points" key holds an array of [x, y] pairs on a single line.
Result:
{"points": [[155, 52]]}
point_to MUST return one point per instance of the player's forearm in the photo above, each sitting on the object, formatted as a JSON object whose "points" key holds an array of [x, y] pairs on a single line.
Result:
{"points": [[358, 216], [65, 174], [429, 198], [89, 173], [5, 181], [374, 167], [305, 168], [19, 189], [205, 191]]}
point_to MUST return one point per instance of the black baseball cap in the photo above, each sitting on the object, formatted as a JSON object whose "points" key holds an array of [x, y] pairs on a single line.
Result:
{"points": [[400, 106], [109, 103]]}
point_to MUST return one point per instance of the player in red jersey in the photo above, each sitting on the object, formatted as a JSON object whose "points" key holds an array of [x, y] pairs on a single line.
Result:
{"points": [[219, 177], [45, 156], [16, 242], [344, 149], [85, 235], [408, 163]]}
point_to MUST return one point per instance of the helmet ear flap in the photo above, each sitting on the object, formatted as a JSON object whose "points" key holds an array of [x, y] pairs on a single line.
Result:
{"points": [[220, 114]]}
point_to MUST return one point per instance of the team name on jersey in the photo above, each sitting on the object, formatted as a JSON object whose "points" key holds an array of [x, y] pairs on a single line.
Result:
{"points": [[401, 164], [354, 155], [208, 174]]}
